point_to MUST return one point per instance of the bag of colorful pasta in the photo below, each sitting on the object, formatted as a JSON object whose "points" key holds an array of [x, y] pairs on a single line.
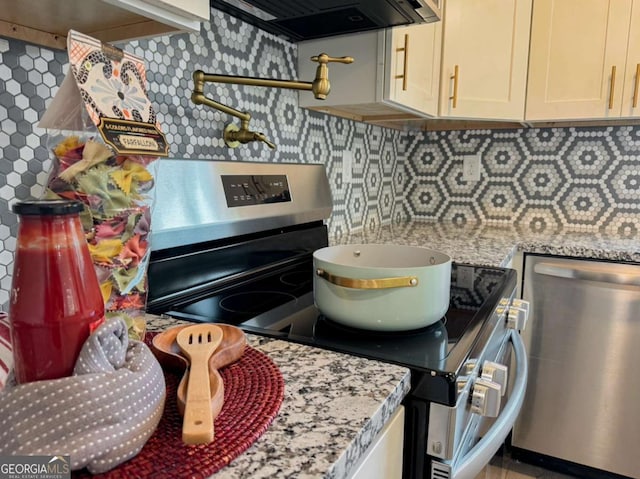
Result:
{"points": [[104, 135]]}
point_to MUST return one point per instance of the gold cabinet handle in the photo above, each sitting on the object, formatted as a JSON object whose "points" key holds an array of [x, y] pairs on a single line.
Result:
{"points": [[613, 86], [379, 283], [454, 77], [405, 66], [637, 84]]}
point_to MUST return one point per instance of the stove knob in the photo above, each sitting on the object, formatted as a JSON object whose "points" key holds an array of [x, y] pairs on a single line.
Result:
{"points": [[468, 367], [461, 383], [521, 303], [497, 373], [436, 447], [485, 399], [517, 317]]}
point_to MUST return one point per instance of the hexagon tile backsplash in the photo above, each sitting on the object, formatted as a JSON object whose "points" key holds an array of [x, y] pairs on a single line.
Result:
{"points": [[544, 179], [541, 179]]}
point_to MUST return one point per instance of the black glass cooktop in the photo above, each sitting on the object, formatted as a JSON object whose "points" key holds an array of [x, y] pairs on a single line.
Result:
{"points": [[281, 305], [244, 300]]}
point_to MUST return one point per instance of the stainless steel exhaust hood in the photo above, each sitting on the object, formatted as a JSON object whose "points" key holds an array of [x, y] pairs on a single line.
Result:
{"points": [[303, 20]]}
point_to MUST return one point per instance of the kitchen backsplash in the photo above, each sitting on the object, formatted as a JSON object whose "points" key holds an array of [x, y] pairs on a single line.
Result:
{"points": [[541, 179], [582, 178]]}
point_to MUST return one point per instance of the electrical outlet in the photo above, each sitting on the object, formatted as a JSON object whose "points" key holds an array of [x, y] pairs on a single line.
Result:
{"points": [[471, 168], [465, 277], [347, 166]]}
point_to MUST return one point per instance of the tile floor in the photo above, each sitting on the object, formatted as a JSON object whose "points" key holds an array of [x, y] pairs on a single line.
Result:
{"points": [[504, 467]]}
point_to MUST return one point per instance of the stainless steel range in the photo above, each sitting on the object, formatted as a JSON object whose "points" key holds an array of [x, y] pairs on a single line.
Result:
{"points": [[233, 243]]}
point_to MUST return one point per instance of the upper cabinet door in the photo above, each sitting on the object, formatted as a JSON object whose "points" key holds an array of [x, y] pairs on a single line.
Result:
{"points": [[394, 77], [181, 14], [412, 78], [484, 59], [578, 58], [47, 22]]}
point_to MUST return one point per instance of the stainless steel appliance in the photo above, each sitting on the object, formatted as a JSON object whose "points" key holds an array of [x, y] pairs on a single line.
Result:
{"points": [[298, 21], [581, 406], [233, 243]]}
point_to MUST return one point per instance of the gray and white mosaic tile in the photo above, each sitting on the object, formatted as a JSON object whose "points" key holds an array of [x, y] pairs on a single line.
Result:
{"points": [[545, 179], [571, 178]]}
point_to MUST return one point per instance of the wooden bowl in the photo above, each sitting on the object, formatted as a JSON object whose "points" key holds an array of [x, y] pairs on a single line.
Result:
{"points": [[167, 351]]}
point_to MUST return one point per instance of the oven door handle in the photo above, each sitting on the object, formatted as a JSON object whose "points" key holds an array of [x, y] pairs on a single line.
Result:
{"points": [[477, 458]]}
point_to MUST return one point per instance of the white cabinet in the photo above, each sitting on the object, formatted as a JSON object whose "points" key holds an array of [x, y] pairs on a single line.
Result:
{"points": [[395, 74], [584, 59], [413, 58], [46, 22], [383, 458], [484, 59], [182, 14]]}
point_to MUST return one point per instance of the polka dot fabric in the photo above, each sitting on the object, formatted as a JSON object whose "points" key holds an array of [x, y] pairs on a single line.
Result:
{"points": [[253, 394], [101, 416]]}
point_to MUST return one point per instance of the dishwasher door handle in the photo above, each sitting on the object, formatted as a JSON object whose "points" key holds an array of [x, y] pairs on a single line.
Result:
{"points": [[585, 273], [477, 458]]}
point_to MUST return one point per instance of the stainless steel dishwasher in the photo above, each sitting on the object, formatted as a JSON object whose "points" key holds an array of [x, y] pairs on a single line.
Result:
{"points": [[582, 404]]}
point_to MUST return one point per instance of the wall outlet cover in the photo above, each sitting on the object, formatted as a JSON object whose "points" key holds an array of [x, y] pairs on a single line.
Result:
{"points": [[347, 166], [471, 168], [466, 277]]}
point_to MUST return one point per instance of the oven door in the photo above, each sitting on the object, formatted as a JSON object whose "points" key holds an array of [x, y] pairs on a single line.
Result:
{"points": [[480, 437]]}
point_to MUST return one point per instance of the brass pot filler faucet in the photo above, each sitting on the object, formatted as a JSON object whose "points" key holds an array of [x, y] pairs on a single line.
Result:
{"points": [[234, 136]]}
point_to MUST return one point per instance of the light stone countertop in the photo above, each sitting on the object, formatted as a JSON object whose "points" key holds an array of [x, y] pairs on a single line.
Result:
{"points": [[334, 406], [488, 245]]}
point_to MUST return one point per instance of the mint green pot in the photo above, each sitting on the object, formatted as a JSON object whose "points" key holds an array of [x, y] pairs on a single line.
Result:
{"points": [[381, 287]]}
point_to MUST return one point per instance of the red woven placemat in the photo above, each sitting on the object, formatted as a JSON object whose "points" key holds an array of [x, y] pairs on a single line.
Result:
{"points": [[253, 393]]}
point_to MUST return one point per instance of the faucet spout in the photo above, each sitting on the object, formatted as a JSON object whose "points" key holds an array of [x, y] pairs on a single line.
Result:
{"points": [[234, 136], [262, 138]]}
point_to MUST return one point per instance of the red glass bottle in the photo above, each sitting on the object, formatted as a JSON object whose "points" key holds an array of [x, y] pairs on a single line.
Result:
{"points": [[55, 296]]}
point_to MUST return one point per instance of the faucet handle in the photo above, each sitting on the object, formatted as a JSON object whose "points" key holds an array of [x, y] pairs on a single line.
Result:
{"points": [[321, 85], [324, 58]]}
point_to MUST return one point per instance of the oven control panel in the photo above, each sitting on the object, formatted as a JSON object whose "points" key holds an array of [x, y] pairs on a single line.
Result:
{"points": [[244, 190]]}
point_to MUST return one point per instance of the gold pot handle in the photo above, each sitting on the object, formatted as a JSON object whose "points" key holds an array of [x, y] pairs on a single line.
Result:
{"points": [[379, 283]]}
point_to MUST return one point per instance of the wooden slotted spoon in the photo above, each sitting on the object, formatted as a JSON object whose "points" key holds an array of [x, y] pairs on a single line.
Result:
{"points": [[231, 349], [198, 343]]}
